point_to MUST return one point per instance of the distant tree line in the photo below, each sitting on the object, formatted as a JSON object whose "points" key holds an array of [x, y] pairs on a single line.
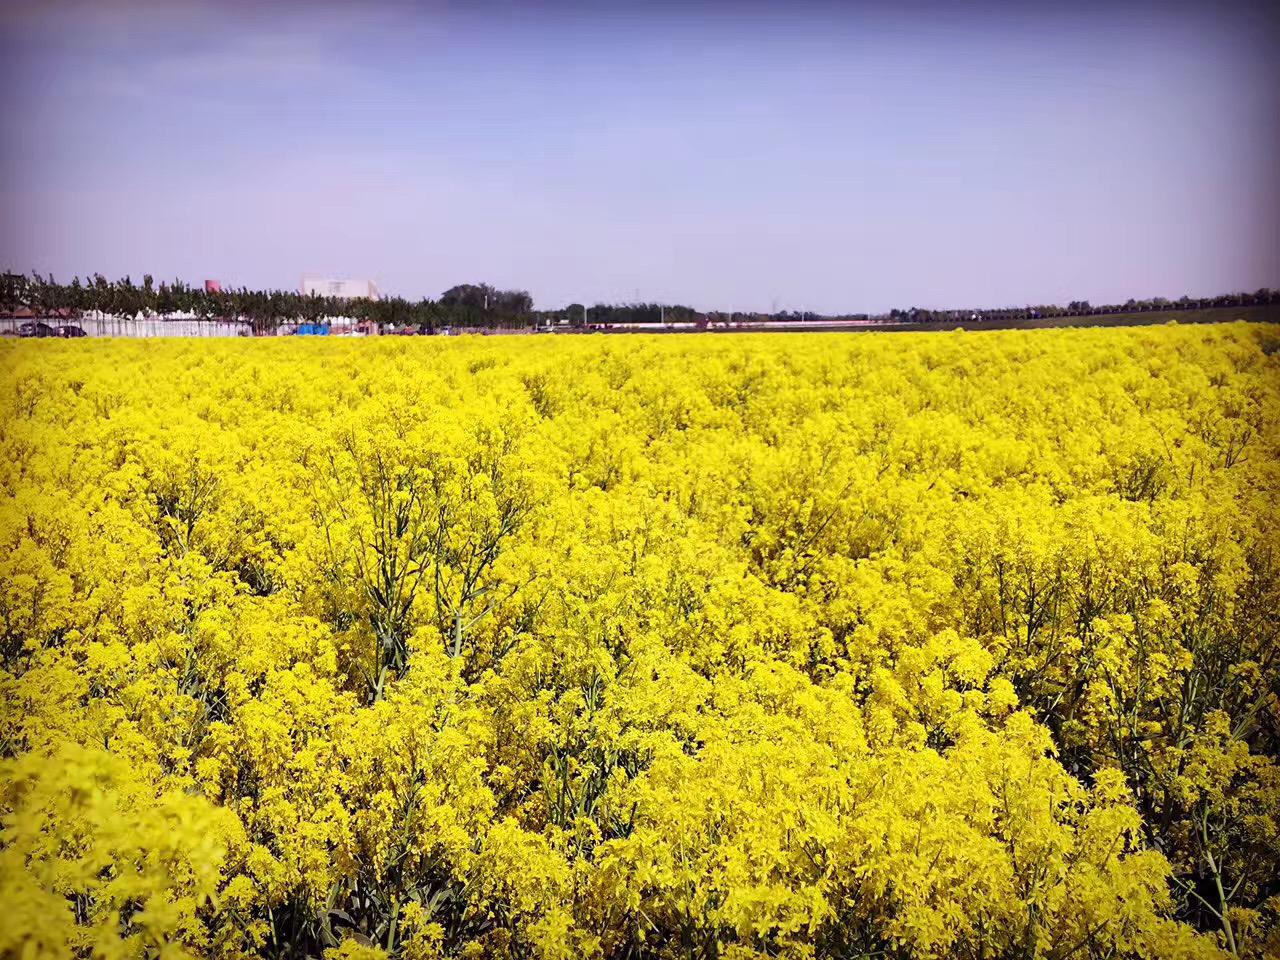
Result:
{"points": [[476, 305], [1083, 308], [262, 311]]}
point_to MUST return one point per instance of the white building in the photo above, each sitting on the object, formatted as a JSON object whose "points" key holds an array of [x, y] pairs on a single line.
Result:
{"points": [[343, 289]]}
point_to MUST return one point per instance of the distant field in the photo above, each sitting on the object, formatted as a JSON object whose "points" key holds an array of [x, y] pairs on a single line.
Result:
{"points": [[1259, 314]]}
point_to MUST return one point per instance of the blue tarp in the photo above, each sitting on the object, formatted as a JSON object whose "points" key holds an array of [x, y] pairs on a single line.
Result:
{"points": [[313, 329]]}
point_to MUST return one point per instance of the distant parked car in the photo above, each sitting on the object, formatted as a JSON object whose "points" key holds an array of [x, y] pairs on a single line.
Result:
{"points": [[35, 328], [70, 330]]}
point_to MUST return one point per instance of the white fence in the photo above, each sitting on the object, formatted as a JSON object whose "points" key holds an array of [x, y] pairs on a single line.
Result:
{"points": [[135, 326], [98, 325]]}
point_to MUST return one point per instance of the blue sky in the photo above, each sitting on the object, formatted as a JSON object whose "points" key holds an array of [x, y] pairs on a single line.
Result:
{"points": [[733, 156]]}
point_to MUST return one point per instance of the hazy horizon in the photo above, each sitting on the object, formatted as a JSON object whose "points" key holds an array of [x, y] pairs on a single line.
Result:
{"points": [[726, 156]]}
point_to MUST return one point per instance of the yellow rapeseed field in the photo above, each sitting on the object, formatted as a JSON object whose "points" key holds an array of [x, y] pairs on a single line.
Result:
{"points": [[812, 646]]}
